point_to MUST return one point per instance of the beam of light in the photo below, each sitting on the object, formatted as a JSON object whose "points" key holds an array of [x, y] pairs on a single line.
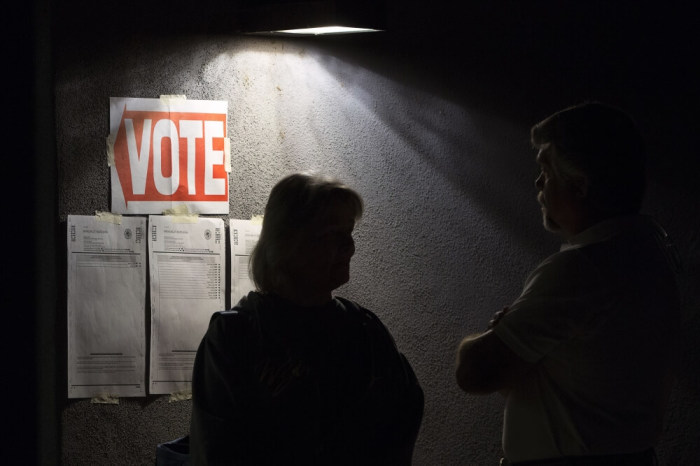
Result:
{"points": [[326, 30]]}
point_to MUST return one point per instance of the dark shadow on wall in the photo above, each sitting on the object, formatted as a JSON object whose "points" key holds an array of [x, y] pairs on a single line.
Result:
{"points": [[510, 64], [504, 70], [533, 68]]}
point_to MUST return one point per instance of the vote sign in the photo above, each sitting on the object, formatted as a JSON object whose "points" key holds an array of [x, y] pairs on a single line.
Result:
{"points": [[167, 152]]}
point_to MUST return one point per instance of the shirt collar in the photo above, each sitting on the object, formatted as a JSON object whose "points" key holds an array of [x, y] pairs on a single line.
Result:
{"points": [[604, 230]]}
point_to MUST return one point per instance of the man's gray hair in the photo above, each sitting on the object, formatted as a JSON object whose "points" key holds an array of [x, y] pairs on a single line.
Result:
{"points": [[602, 143]]}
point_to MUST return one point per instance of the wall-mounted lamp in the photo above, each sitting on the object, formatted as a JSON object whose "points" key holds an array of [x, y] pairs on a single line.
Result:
{"points": [[290, 17]]}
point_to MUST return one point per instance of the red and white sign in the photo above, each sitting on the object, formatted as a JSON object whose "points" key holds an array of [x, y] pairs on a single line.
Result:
{"points": [[168, 152]]}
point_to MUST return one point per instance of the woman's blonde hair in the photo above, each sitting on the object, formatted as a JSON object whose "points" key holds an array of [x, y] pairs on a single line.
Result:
{"points": [[294, 203]]}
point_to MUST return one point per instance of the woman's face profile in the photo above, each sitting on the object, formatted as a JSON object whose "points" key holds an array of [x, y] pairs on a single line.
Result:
{"points": [[323, 260]]}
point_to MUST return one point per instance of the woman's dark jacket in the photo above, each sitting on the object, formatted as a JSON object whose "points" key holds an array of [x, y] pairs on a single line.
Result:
{"points": [[276, 383]]}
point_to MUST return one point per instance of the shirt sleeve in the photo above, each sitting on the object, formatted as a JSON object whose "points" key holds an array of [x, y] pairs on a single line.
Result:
{"points": [[561, 298]]}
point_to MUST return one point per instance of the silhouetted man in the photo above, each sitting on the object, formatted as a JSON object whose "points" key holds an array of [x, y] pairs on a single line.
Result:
{"points": [[584, 355]]}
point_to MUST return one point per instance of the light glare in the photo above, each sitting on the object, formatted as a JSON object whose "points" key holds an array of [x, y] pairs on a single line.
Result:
{"points": [[327, 30]]}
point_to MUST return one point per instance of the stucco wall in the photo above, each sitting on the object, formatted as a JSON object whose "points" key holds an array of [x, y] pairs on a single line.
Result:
{"points": [[434, 136]]}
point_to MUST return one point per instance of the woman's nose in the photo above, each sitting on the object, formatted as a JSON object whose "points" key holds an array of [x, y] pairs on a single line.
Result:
{"points": [[348, 246], [539, 182]]}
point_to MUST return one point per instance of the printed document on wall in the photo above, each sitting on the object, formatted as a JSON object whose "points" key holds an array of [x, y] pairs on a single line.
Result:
{"points": [[244, 236], [187, 270], [106, 306]]}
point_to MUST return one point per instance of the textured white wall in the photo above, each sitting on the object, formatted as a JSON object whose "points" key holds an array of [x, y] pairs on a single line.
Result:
{"points": [[448, 192], [451, 227]]}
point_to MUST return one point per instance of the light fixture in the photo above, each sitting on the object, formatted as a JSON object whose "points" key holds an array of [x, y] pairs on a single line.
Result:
{"points": [[317, 31], [311, 18]]}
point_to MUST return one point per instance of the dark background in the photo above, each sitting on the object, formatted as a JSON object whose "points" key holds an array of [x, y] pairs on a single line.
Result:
{"points": [[526, 58]]}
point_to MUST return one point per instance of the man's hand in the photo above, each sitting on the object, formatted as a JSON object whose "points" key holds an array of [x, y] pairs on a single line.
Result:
{"points": [[485, 364]]}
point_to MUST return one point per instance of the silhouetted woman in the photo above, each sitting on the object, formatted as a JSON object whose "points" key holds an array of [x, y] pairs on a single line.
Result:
{"points": [[292, 375]]}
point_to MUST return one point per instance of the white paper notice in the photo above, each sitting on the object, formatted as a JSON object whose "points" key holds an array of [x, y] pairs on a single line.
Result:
{"points": [[106, 306], [244, 236], [187, 269]]}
